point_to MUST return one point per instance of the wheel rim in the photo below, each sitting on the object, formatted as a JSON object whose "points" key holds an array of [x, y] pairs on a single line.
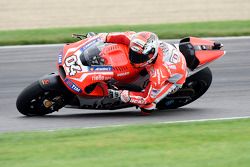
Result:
{"points": [[36, 105]]}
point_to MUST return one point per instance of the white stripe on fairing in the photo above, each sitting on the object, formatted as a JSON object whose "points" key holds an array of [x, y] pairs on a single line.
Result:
{"points": [[157, 123]]}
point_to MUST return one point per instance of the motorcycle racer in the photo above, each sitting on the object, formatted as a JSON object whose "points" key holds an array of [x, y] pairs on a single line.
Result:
{"points": [[137, 69], [164, 63]]}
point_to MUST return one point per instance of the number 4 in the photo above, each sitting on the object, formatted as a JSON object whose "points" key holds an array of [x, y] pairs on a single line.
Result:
{"points": [[71, 62]]}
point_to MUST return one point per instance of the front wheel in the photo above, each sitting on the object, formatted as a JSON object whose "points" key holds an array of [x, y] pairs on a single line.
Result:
{"points": [[35, 101], [194, 87]]}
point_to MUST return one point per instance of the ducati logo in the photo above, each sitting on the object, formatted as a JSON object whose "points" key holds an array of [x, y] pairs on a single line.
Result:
{"points": [[45, 81]]}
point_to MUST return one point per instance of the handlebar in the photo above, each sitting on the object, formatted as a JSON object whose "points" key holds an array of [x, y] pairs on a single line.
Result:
{"points": [[83, 36]]}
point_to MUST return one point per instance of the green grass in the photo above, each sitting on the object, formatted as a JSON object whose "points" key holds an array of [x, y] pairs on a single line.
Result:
{"points": [[207, 144], [176, 30]]}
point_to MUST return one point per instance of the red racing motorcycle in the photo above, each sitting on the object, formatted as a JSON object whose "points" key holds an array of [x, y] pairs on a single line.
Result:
{"points": [[87, 68]]}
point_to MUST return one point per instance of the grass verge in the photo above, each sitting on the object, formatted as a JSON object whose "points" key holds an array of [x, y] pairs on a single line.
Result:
{"points": [[176, 30], [213, 143]]}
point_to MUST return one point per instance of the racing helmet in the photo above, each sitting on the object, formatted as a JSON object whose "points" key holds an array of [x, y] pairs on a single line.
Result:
{"points": [[143, 48]]}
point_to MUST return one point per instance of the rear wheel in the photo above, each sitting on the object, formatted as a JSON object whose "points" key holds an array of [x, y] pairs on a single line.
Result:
{"points": [[35, 101], [194, 87]]}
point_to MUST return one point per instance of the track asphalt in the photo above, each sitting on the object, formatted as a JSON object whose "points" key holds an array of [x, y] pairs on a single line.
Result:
{"points": [[228, 96]]}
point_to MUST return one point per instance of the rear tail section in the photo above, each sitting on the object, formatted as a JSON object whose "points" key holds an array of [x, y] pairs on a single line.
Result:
{"points": [[200, 52]]}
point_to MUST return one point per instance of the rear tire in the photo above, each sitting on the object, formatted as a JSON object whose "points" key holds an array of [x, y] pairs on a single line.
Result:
{"points": [[194, 87], [30, 102]]}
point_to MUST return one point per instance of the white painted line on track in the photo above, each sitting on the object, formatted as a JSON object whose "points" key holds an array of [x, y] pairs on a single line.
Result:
{"points": [[228, 38], [30, 46], [156, 123], [61, 45], [205, 120]]}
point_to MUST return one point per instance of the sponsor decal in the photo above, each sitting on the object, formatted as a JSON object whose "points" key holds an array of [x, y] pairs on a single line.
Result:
{"points": [[123, 74], [100, 68], [90, 44], [100, 77], [174, 58], [72, 85], [138, 101], [45, 81], [60, 58]]}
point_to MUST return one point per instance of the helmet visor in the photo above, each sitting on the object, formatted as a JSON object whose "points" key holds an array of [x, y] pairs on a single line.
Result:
{"points": [[137, 58]]}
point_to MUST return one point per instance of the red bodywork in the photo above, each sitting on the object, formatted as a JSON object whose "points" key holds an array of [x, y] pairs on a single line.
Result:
{"points": [[116, 66], [205, 51], [79, 78]]}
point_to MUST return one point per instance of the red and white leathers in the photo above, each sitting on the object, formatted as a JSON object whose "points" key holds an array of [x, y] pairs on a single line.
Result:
{"points": [[167, 73]]}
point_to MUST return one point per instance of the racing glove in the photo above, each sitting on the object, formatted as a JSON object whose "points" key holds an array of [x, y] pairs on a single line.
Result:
{"points": [[122, 95]]}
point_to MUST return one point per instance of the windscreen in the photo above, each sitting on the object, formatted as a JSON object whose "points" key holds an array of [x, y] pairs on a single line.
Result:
{"points": [[91, 55]]}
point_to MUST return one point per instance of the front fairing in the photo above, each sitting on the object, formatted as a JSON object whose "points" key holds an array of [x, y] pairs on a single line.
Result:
{"points": [[75, 74], [84, 76]]}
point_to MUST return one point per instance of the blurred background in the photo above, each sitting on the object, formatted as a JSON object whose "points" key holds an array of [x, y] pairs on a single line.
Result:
{"points": [[29, 14]]}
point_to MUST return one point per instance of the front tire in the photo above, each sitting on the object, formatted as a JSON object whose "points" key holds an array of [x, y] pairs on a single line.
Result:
{"points": [[33, 101]]}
